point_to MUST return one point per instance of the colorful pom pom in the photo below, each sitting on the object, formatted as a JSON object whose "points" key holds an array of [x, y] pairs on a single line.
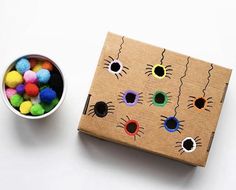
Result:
{"points": [[43, 76], [47, 95], [16, 100], [47, 65], [31, 89], [56, 83], [37, 67], [33, 62], [35, 100], [25, 107], [55, 102], [49, 107], [13, 78], [10, 92], [26, 97], [37, 110], [20, 89], [30, 77], [22, 65], [43, 86]]}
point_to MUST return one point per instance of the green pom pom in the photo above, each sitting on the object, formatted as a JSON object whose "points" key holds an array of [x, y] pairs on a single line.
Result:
{"points": [[16, 100], [55, 102], [37, 110], [42, 86], [49, 107]]}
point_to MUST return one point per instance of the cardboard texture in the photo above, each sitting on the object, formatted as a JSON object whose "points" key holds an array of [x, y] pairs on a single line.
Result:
{"points": [[155, 100]]}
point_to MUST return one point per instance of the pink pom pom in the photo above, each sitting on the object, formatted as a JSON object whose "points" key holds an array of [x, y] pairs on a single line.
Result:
{"points": [[30, 77], [10, 92]]}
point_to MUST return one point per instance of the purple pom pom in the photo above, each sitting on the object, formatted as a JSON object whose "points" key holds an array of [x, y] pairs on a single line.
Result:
{"points": [[20, 89]]}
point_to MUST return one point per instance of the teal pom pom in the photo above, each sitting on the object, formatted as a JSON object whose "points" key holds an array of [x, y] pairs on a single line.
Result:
{"points": [[43, 76], [47, 95], [22, 65]]}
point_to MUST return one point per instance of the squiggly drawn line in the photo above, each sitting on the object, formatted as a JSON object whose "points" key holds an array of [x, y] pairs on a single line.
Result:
{"points": [[181, 81], [118, 55], [208, 80], [162, 56]]}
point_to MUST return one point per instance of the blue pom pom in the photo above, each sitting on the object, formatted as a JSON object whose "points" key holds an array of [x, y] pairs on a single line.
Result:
{"points": [[47, 95], [22, 65], [43, 76]]}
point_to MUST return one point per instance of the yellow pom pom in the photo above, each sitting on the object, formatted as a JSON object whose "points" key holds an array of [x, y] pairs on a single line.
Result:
{"points": [[37, 67], [25, 107], [13, 78]]}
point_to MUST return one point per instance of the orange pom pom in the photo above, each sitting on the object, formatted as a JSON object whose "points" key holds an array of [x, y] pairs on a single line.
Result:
{"points": [[47, 65]]}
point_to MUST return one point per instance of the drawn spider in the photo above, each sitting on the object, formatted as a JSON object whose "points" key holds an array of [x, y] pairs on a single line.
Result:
{"points": [[101, 109], [188, 144], [131, 127], [115, 67], [200, 103], [171, 124], [159, 71], [130, 98], [159, 98]]}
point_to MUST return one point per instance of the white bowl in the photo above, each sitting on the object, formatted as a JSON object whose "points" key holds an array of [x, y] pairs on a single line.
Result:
{"points": [[29, 116]]}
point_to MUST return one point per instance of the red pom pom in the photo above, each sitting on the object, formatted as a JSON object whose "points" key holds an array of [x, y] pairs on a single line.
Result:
{"points": [[31, 89], [33, 62]]}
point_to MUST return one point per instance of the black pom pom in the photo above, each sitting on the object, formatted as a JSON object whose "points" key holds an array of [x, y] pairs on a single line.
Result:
{"points": [[56, 83]]}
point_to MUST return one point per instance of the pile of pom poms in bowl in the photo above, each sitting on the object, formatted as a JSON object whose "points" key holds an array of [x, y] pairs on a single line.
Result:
{"points": [[33, 86]]}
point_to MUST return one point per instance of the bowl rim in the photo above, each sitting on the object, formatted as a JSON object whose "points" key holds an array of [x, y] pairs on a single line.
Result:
{"points": [[6, 101]]}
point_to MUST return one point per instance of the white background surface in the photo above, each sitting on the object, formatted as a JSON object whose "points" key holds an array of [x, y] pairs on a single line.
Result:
{"points": [[50, 154]]}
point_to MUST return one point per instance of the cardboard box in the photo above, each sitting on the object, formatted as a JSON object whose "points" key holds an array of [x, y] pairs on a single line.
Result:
{"points": [[155, 100]]}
